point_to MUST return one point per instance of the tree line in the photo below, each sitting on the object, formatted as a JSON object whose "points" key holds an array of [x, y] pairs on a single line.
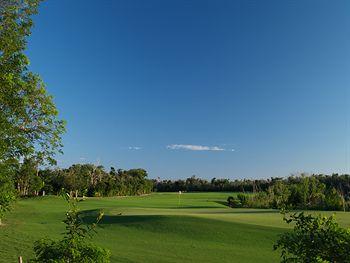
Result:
{"points": [[317, 191], [196, 184], [80, 180]]}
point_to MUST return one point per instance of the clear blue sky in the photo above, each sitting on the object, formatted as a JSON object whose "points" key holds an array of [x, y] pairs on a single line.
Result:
{"points": [[214, 88]]}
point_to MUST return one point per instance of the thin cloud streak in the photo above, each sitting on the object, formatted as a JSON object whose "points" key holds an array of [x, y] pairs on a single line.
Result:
{"points": [[134, 148], [191, 147]]}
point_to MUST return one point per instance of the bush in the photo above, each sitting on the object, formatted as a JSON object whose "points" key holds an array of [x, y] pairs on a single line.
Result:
{"points": [[259, 200], [230, 201], [63, 251], [233, 202], [314, 239], [73, 248], [243, 199]]}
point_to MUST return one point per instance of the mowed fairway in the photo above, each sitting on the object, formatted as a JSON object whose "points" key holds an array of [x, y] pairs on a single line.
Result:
{"points": [[154, 228]]}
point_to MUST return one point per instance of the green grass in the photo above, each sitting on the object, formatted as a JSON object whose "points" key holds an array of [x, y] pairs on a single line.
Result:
{"points": [[155, 228]]}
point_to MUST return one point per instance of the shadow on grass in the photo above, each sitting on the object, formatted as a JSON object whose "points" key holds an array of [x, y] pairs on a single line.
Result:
{"points": [[222, 203], [192, 227], [241, 211], [89, 217], [193, 207]]}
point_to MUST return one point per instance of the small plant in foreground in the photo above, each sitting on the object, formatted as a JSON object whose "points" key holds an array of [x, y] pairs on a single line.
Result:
{"points": [[314, 239], [73, 248]]}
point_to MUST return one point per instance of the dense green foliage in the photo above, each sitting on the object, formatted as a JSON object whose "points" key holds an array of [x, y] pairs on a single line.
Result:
{"points": [[29, 124], [7, 195], [324, 192], [73, 247], [192, 184], [314, 239], [304, 192], [195, 184], [28, 117], [82, 180]]}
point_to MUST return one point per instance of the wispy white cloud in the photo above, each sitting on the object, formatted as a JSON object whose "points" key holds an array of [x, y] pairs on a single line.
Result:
{"points": [[191, 147], [134, 148]]}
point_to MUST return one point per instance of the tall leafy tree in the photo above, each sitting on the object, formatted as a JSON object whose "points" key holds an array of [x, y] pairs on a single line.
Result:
{"points": [[28, 116], [29, 123]]}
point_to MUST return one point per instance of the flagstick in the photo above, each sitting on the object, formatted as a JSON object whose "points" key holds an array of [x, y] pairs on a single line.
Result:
{"points": [[179, 198]]}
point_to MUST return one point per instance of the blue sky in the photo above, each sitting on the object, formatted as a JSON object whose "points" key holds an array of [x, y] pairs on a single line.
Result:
{"points": [[234, 89]]}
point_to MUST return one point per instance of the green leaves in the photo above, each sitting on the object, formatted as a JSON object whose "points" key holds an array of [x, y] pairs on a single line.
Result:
{"points": [[314, 239], [29, 123], [7, 193], [61, 252]]}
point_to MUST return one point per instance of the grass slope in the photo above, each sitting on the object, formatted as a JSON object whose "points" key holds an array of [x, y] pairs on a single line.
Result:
{"points": [[154, 228]]}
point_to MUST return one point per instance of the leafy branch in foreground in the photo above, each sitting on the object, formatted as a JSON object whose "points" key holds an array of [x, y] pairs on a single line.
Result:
{"points": [[73, 248], [314, 239]]}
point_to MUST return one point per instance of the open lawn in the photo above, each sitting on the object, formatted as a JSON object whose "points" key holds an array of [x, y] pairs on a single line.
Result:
{"points": [[154, 228]]}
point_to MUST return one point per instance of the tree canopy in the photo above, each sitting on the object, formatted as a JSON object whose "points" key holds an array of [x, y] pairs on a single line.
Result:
{"points": [[29, 123], [80, 180]]}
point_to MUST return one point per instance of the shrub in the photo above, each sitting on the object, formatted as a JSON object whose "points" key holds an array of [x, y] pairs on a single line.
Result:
{"points": [[230, 201], [62, 252], [233, 202], [73, 248], [243, 199], [259, 200], [314, 239]]}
